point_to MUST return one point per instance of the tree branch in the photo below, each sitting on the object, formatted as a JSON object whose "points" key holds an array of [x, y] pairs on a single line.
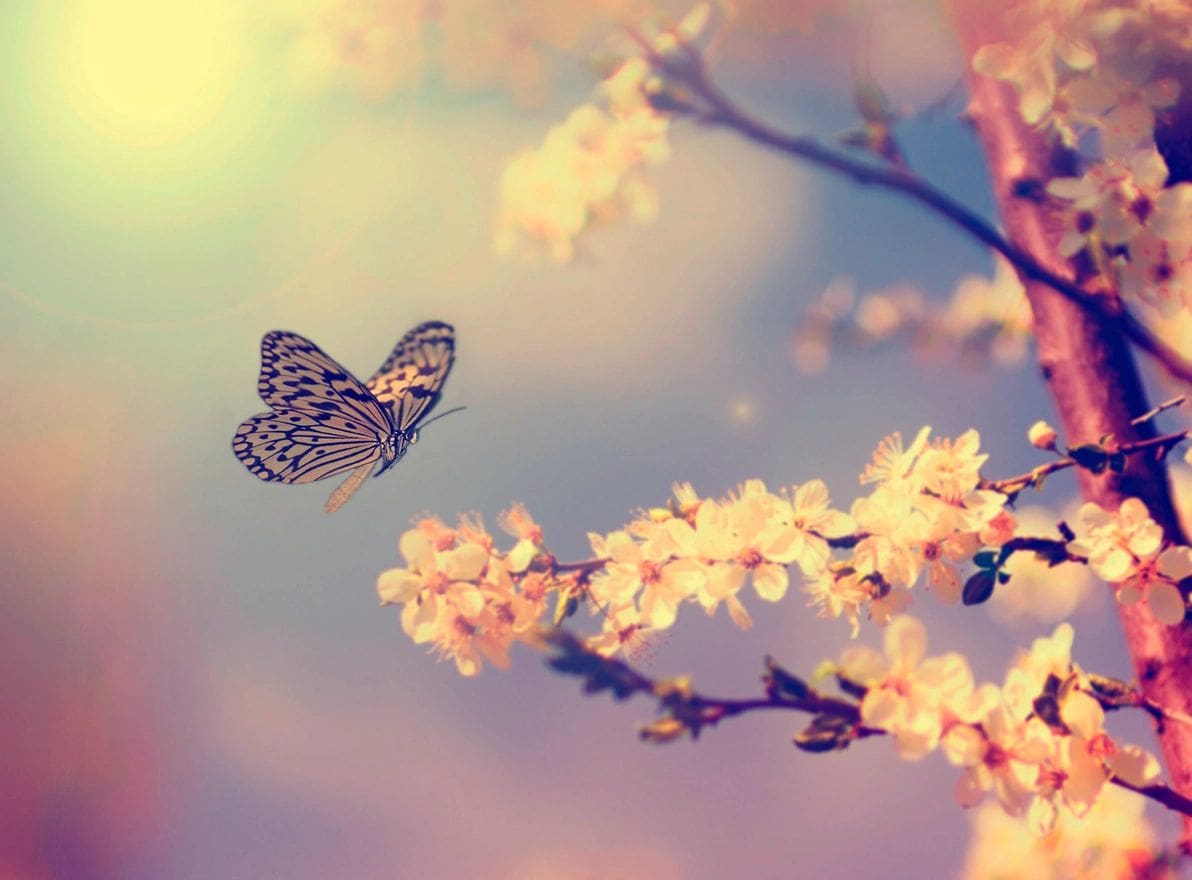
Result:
{"points": [[689, 70]]}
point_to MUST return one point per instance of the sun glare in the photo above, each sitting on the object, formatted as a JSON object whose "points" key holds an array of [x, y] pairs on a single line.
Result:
{"points": [[147, 72]]}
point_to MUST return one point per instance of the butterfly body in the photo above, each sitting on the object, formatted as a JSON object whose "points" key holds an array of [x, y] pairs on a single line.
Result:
{"points": [[324, 421]]}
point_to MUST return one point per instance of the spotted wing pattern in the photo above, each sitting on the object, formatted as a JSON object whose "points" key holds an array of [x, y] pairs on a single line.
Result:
{"points": [[324, 421], [411, 379]]}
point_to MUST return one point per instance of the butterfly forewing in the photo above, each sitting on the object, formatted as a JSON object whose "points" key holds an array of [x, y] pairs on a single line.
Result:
{"points": [[410, 380], [297, 374], [324, 420]]}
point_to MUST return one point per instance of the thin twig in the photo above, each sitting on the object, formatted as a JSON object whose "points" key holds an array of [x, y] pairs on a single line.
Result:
{"points": [[1163, 407], [1012, 485], [1159, 793]]}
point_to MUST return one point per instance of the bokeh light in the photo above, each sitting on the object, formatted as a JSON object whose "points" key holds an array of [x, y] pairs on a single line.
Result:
{"points": [[147, 73]]}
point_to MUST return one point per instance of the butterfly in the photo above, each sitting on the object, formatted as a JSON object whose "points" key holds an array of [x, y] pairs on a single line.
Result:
{"points": [[324, 421]]}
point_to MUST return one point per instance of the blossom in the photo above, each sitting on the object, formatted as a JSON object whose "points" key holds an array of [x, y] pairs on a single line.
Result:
{"points": [[839, 591], [1002, 755], [906, 692], [1113, 542], [1126, 548], [801, 526], [1155, 580], [518, 522], [646, 567], [949, 468], [891, 462], [1049, 656], [1043, 33]]}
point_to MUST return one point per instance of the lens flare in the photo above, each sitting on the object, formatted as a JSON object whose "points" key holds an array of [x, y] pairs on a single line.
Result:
{"points": [[147, 73]]}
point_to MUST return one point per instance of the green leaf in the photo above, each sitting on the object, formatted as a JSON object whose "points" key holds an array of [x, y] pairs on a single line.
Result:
{"points": [[979, 587], [986, 559]]}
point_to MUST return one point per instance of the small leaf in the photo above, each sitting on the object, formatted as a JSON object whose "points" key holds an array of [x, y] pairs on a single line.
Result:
{"points": [[1048, 710], [779, 681], [1090, 456], [1003, 577], [663, 730], [986, 559], [825, 733], [566, 605], [979, 587]]}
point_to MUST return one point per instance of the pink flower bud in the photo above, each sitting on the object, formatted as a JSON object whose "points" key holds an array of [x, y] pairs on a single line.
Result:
{"points": [[1042, 435]]}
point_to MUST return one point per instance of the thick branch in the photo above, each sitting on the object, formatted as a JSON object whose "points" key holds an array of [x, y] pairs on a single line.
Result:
{"points": [[1092, 376]]}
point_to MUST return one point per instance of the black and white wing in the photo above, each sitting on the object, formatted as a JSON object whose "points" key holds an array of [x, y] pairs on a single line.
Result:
{"points": [[411, 379], [324, 420]]}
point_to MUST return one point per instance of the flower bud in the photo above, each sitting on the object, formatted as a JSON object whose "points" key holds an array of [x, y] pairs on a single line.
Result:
{"points": [[1042, 435]]}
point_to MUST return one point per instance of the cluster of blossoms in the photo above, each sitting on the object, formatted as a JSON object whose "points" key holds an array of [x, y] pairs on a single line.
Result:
{"points": [[591, 168], [928, 518], [458, 594], [1037, 741], [924, 520], [1091, 66]]}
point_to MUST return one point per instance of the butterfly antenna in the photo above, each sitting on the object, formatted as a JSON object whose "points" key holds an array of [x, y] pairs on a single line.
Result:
{"points": [[441, 415]]}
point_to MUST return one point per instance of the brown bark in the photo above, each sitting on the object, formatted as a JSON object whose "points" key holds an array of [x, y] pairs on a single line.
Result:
{"points": [[1090, 370]]}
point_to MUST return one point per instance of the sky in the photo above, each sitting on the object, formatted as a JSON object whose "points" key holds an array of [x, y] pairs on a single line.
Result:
{"points": [[202, 682]]}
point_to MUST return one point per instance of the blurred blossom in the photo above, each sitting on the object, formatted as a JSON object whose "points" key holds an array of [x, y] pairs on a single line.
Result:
{"points": [[987, 319], [1112, 841], [588, 169], [514, 43], [372, 46]]}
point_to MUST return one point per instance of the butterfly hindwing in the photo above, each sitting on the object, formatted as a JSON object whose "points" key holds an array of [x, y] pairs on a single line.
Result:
{"points": [[411, 379], [291, 446]]}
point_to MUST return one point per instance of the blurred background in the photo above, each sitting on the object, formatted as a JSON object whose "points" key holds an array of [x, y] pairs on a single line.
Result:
{"points": [[198, 681]]}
